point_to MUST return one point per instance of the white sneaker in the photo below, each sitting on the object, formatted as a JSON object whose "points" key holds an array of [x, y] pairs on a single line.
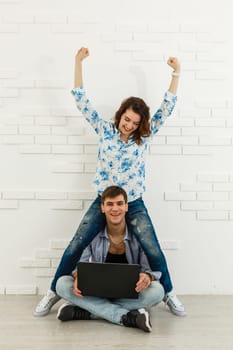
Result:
{"points": [[174, 304], [46, 303]]}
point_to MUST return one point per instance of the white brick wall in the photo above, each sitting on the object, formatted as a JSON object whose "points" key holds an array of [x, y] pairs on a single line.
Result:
{"points": [[48, 152]]}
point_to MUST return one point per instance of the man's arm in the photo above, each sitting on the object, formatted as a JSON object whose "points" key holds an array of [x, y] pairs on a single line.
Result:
{"points": [[78, 74]]}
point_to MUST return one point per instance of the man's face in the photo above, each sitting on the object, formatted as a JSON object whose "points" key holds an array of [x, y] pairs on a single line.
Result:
{"points": [[115, 209]]}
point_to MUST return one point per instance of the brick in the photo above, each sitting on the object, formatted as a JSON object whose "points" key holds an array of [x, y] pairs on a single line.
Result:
{"points": [[67, 149], [48, 254], [67, 205], [45, 272], [179, 196], [214, 196], [90, 167], [90, 149], [67, 130], [49, 195], [166, 130], [34, 130], [65, 112], [210, 76], [225, 205], [213, 177], [214, 103], [35, 149], [18, 139], [165, 150], [67, 28], [50, 18], [53, 121], [210, 122], [82, 195], [26, 18], [213, 215], [9, 28], [131, 27], [8, 130], [2, 290], [196, 205], [51, 84], [198, 150], [222, 112], [231, 215], [162, 27], [8, 204], [51, 140], [116, 36], [182, 140], [5, 74], [170, 245], [195, 27], [158, 140], [197, 187], [58, 244], [223, 187], [21, 289], [8, 92], [132, 46], [32, 263], [82, 140], [68, 168], [215, 141], [18, 195], [182, 122], [26, 84]]}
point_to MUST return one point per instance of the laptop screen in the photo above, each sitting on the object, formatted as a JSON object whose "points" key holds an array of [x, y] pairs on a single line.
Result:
{"points": [[108, 280]]}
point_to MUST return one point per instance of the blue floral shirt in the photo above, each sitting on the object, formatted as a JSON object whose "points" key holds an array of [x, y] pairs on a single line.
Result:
{"points": [[121, 163]]}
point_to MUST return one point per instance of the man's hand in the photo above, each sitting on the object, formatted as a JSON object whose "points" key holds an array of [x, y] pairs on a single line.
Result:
{"points": [[174, 63], [76, 291], [143, 282], [82, 54]]}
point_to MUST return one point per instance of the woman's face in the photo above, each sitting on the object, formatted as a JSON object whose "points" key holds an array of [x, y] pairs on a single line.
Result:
{"points": [[129, 122]]}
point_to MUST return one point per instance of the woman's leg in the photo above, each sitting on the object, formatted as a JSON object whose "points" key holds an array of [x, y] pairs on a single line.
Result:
{"points": [[140, 225], [92, 223]]}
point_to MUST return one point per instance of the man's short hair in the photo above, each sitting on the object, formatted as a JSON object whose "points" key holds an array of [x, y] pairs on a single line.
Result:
{"points": [[112, 192]]}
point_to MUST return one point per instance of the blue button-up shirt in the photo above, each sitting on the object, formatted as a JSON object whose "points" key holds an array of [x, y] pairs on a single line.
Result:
{"points": [[121, 163], [97, 251]]}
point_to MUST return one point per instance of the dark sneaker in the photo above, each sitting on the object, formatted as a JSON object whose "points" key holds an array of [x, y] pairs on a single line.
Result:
{"points": [[138, 319], [46, 303], [69, 312]]}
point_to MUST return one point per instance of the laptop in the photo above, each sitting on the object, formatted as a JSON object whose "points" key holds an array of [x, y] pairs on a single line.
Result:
{"points": [[108, 280]]}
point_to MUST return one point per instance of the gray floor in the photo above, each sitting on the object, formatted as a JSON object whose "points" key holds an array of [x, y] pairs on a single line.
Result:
{"points": [[209, 325]]}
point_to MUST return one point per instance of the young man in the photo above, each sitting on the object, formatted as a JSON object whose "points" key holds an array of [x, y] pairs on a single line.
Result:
{"points": [[114, 244]]}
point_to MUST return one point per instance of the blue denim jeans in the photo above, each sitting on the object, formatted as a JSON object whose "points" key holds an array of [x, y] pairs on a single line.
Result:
{"points": [[110, 310], [139, 224]]}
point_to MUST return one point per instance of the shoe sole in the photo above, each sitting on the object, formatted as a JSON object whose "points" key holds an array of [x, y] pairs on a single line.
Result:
{"points": [[147, 321], [59, 310]]}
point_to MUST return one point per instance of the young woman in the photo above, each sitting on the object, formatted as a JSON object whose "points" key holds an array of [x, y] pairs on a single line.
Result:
{"points": [[121, 162]]}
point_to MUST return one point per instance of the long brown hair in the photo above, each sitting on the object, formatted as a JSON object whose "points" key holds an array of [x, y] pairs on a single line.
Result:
{"points": [[138, 106]]}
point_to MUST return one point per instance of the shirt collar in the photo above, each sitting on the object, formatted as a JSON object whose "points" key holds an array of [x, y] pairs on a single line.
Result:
{"points": [[105, 235]]}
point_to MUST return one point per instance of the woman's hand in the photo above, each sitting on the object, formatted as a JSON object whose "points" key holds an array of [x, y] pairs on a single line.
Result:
{"points": [[82, 54], [174, 63]]}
